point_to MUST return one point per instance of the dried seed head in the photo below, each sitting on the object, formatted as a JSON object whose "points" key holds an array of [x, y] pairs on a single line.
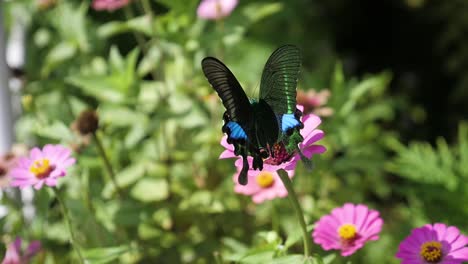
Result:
{"points": [[87, 122]]}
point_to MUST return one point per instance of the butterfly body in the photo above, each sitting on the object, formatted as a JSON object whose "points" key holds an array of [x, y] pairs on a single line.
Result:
{"points": [[265, 127]]}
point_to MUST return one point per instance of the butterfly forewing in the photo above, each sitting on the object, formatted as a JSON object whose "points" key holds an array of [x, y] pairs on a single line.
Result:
{"points": [[279, 79], [229, 90]]}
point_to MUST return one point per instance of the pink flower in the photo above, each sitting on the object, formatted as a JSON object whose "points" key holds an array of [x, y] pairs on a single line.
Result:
{"points": [[215, 9], [45, 166], [436, 244], [13, 253], [109, 5], [7, 162], [265, 184], [310, 133], [347, 228], [314, 102]]}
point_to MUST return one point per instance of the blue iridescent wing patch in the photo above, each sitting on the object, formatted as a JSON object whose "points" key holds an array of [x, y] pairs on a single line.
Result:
{"points": [[236, 130], [289, 121]]}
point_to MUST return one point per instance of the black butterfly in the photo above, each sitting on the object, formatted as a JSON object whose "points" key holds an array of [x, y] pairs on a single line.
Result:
{"points": [[266, 127]]}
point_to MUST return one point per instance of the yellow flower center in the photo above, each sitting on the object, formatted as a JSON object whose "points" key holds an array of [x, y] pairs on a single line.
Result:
{"points": [[265, 179], [41, 168], [347, 232], [431, 251]]}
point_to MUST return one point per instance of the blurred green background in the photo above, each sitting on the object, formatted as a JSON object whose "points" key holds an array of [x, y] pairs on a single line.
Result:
{"points": [[397, 140]]}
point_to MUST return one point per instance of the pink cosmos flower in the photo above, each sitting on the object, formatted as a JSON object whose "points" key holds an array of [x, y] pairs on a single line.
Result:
{"points": [[215, 9], [44, 166], [314, 102], [347, 228], [13, 253], [109, 5], [265, 184], [435, 244], [310, 133]]}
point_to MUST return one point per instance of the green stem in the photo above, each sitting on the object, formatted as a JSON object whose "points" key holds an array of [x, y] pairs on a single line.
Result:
{"points": [[66, 215], [107, 163], [149, 11], [297, 208]]}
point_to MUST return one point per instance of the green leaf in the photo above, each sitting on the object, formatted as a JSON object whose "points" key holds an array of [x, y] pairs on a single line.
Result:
{"points": [[104, 255], [124, 178], [257, 11], [288, 259], [139, 24], [100, 87], [150, 61], [57, 55], [57, 131], [150, 190], [119, 117]]}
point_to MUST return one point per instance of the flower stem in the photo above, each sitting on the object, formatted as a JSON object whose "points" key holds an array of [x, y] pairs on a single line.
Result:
{"points": [[107, 163], [297, 208], [66, 215]]}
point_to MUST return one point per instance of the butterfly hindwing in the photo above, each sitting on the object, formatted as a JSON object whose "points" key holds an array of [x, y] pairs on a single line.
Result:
{"points": [[266, 125], [279, 79]]}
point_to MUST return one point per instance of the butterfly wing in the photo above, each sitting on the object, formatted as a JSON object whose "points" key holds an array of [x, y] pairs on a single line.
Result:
{"points": [[279, 79], [238, 115], [229, 90]]}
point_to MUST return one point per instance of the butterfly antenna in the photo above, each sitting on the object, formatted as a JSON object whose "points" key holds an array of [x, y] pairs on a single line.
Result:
{"points": [[307, 162]]}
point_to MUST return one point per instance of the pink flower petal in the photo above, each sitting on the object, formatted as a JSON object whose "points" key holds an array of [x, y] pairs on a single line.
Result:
{"points": [[215, 9]]}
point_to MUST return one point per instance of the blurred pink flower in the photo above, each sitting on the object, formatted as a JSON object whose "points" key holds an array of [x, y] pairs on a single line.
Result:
{"points": [[109, 5], [216, 9], [7, 162], [314, 102], [14, 255], [437, 244], [265, 184], [347, 228], [41, 167]]}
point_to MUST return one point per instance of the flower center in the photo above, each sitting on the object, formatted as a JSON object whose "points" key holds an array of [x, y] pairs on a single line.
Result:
{"points": [[431, 251], [347, 232], [265, 179], [41, 168], [278, 154]]}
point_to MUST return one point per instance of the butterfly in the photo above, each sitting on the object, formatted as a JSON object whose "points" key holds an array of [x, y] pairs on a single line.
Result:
{"points": [[267, 127]]}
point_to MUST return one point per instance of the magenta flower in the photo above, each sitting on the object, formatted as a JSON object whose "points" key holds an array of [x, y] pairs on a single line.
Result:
{"points": [[265, 184], [314, 102], [310, 133], [347, 228], [109, 5], [215, 9], [434, 244], [42, 167], [14, 254]]}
